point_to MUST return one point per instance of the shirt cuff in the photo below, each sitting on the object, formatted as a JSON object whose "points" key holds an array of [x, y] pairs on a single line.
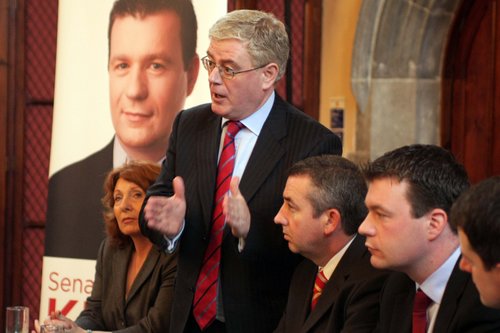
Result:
{"points": [[171, 244], [241, 244]]}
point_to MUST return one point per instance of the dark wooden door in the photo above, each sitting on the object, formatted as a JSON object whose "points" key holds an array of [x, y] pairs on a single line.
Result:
{"points": [[471, 86]]}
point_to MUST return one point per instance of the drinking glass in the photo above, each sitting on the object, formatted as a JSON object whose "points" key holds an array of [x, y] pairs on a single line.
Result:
{"points": [[49, 328], [17, 319]]}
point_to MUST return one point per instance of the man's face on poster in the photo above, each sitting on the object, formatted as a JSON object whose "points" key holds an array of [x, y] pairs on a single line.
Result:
{"points": [[147, 79]]}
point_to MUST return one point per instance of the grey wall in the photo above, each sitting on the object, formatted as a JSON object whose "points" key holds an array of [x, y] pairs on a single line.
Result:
{"points": [[396, 73]]}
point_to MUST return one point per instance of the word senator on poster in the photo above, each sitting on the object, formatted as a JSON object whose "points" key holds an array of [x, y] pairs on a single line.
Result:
{"points": [[66, 284], [69, 284]]}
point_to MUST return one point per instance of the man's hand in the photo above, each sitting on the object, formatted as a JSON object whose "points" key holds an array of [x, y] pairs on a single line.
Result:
{"points": [[167, 214], [236, 210]]}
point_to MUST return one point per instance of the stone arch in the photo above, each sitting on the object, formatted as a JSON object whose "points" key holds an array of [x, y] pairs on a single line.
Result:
{"points": [[396, 72]]}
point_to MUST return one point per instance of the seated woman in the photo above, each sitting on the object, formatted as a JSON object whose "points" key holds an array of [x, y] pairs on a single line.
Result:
{"points": [[134, 281]]}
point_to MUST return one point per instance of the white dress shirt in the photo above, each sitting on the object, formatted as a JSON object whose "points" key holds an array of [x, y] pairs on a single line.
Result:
{"points": [[330, 266], [435, 285], [244, 143]]}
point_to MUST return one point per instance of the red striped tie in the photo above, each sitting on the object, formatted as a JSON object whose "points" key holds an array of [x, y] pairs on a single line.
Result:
{"points": [[420, 305], [319, 284], [204, 303]]}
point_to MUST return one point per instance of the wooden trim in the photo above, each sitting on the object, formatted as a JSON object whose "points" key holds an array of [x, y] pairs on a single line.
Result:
{"points": [[245, 4], [469, 89], [313, 12], [12, 125], [312, 54], [453, 70], [18, 109], [3, 150]]}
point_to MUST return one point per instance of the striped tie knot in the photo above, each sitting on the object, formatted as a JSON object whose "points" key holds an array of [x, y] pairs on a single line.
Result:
{"points": [[233, 127], [319, 284]]}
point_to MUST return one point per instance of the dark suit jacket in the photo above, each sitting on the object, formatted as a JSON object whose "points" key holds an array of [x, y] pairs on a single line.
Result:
{"points": [[350, 299], [254, 282], [147, 307], [75, 226], [460, 311]]}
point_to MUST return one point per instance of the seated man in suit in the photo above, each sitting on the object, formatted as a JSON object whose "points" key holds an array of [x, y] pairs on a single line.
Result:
{"points": [[476, 213], [335, 288], [410, 193]]}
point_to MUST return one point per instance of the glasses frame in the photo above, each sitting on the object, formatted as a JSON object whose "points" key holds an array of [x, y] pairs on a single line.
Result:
{"points": [[225, 72]]}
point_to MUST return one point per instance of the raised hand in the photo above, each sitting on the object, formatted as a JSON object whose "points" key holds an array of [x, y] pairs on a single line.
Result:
{"points": [[236, 210], [166, 214]]}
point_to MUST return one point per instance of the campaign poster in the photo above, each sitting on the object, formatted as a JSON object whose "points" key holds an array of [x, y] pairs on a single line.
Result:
{"points": [[82, 126]]}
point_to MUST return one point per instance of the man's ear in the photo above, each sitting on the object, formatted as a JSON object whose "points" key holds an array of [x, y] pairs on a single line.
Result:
{"points": [[270, 72], [192, 73], [332, 221], [437, 222]]}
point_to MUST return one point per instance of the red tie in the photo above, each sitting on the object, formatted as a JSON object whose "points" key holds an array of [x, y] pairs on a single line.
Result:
{"points": [[420, 305], [319, 284], [204, 303]]}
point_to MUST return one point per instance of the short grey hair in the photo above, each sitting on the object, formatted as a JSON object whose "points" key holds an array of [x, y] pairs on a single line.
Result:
{"points": [[265, 36], [336, 183]]}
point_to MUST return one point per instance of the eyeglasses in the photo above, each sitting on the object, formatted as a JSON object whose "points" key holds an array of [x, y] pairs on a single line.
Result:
{"points": [[225, 72]]}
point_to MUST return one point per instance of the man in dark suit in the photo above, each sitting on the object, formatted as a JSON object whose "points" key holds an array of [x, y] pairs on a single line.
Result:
{"points": [[152, 67], [248, 53], [322, 210], [410, 193], [476, 213], [72, 220]]}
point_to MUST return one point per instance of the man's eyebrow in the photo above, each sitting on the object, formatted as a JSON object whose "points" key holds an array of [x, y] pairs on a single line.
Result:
{"points": [[224, 62], [377, 207], [161, 56], [149, 57], [118, 57], [288, 200]]}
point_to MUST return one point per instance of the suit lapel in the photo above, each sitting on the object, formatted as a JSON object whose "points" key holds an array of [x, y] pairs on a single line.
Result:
{"points": [[308, 283], [120, 266], [452, 294], [299, 301], [339, 277], [207, 147], [353, 254], [400, 305], [267, 151], [144, 273]]}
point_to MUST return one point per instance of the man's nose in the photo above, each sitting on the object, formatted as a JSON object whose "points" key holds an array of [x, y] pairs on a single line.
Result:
{"points": [[214, 76], [366, 228], [137, 87], [279, 218]]}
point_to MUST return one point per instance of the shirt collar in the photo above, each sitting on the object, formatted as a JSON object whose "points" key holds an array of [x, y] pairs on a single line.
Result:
{"points": [[120, 155], [256, 120], [330, 266], [435, 284]]}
